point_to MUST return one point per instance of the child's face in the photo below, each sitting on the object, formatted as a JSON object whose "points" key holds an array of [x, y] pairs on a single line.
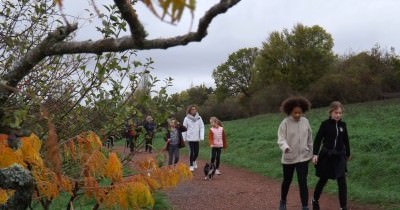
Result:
{"points": [[172, 124], [337, 114], [193, 111], [296, 113], [213, 123]]}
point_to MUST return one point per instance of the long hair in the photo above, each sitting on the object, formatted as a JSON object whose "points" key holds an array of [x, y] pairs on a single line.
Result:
{"points": [[190, 107], [215, 119]]}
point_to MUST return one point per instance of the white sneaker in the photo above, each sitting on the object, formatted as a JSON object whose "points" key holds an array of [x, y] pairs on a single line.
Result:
{"points": [[191, 168], [218, 172], [194, 164]]}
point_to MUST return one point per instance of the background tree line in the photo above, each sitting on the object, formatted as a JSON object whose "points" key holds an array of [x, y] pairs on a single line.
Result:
{"points": [[300, 61]]}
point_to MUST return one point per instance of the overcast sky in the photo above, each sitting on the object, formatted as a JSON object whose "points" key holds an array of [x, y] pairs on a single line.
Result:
{"points": [[355, 25]]}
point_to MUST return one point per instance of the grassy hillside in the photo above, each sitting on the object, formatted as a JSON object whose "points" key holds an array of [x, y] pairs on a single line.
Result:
{"points": [[374, 130]]}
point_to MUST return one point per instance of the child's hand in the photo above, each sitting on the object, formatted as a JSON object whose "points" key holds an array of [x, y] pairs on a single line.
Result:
{"points": [[315, 159]]}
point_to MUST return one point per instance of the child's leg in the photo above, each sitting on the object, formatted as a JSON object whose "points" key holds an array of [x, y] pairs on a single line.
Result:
{"points": [[218, 156], [213, 154], [191, 152], [176, 152], [288, 171], [302, 172], [342, 191], [196, 146], [151, 144], [170, 154], [319, 187]]}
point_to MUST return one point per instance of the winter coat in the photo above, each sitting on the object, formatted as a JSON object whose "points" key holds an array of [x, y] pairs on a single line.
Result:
{"points": [[332, 146], [180, 129], [211, 139], [297, 136], [195, 128]]}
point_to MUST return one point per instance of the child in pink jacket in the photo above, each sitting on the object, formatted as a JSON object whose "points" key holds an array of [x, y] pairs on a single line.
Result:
{"points": [[217, 141]]}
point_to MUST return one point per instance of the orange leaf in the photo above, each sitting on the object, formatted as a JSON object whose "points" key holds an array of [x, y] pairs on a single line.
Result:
{"points": [[114, 168]]}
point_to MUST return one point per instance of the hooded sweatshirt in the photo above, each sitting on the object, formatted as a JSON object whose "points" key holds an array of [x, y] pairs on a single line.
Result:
{"points": [[195, 128], [297, 137]]}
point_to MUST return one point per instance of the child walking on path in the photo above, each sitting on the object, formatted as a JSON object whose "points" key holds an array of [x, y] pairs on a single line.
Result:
{"points": [[174, 141], [331, 152], [150, 127], [194, 134], [295, 141], [217, 141]]}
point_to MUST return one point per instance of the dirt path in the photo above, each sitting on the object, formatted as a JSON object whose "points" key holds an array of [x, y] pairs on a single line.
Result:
{"points": [[238, 189]]}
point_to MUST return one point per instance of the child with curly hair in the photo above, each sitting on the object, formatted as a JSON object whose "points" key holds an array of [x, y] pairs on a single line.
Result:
{"points": [[295, 141]]}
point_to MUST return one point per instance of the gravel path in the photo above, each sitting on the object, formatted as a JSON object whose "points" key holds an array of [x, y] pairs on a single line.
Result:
{"points": [[239, 189]]}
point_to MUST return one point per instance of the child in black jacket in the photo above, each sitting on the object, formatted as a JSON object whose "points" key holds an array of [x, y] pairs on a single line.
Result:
{"points": [[174, 141], [331, 152]]}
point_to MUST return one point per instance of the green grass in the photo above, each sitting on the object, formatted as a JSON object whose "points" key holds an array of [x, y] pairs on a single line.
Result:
{"points": [[374, 130]]}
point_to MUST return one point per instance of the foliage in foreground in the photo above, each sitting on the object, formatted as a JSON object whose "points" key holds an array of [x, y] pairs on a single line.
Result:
{"points": [[87, 172]]}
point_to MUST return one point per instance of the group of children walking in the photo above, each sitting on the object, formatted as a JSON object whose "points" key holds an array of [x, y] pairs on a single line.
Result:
{"points": [[329, 152], [192, 132]]}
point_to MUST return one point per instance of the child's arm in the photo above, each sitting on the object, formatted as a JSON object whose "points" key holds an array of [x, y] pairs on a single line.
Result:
{"points": [[210, 138]]}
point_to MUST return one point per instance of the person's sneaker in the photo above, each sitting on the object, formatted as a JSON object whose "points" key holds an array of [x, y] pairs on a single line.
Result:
{"points": [[343, 208], [315, 204], [191, 168], [194, 164], [282, 205], [218, 172]]}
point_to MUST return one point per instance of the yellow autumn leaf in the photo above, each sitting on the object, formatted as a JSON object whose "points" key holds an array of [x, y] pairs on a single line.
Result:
{"points": [[113, 168], [9, 157], [139, 195], [46, 182], [31, 150]]}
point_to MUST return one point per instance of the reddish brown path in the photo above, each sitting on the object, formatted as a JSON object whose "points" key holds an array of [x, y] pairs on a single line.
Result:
{"points": [[239, 189]]}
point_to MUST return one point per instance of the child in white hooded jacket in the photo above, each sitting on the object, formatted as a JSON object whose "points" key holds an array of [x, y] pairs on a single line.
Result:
{"points": [[194, 134]]}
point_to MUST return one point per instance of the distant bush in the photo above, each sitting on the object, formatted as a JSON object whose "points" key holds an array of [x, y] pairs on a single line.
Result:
{"points": [[269, 99]]}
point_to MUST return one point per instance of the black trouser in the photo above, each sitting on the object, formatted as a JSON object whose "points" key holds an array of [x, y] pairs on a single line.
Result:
{"points": [[173, 154], [215, 156], [342, 185], [131, 143], [302, 172], [193, 151], [149, 141]]}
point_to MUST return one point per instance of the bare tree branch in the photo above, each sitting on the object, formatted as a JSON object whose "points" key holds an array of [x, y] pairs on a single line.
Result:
{"points": [[53, 44], [127, 43], [23, 67], [129, 14]]}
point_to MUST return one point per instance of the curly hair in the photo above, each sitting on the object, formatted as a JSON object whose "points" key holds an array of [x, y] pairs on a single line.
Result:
{"points": [[290, 103]]}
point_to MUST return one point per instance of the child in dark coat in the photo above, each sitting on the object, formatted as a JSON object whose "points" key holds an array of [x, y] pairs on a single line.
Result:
{"points": [[331, 152], [174, 141]]}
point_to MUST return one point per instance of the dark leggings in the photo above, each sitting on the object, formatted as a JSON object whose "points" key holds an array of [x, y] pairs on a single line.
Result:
{"points": [[149, 142], [342, 185], [215, 156], [302, 171], [173, 154], [193, 151]]}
